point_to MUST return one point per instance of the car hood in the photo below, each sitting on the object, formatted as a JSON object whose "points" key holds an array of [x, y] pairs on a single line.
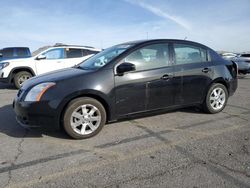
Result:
{"points": [[55, 76], [10, 59], [14, 60]]}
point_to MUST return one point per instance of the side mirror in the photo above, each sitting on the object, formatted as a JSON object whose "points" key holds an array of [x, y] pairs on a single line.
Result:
{"points": [[125, 67], [40, 57], [1, 55]]}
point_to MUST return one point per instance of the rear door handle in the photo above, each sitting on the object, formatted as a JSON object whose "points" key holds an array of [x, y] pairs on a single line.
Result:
{"points": [[166, 77], [206, 70]]}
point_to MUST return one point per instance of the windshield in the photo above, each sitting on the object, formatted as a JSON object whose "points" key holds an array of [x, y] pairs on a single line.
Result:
{"points": [[104, 57]]}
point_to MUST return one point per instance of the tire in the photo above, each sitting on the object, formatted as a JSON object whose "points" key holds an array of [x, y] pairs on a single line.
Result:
{"points": [[20, 77], [80, 126], [212, 101]]}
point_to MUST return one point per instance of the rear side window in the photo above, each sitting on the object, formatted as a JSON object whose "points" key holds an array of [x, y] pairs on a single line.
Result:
{"points": [[73, 53], [8, 52], [186, 54], [88, 52], [22, 52]]}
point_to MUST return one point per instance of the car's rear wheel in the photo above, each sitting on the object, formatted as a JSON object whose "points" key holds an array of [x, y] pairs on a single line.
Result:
{"points": [[20, 78], [216, 98], [84, 117]]}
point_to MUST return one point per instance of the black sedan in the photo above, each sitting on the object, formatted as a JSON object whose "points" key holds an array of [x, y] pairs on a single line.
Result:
{"points": [[125, 80]]}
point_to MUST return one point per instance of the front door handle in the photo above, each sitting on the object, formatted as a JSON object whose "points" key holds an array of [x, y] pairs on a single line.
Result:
{"points": [[166, 77], [206, 70]]}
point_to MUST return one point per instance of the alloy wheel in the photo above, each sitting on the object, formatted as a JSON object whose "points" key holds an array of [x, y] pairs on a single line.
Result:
{"points": [[217, 98], [85, 119], [23, 78]]}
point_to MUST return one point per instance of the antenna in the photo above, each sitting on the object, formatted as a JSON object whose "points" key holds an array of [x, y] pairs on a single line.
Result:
{"points": [[101, 44], [185, 38]]}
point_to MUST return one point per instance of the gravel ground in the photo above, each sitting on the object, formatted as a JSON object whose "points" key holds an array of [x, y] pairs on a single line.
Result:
{"points": [[183, 148]]}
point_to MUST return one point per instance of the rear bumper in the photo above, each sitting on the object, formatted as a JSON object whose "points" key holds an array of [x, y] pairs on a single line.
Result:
{"points": [[233, 85]]}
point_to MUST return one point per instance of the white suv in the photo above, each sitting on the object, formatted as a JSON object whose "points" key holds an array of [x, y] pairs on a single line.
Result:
{"points": [[54, 58]]}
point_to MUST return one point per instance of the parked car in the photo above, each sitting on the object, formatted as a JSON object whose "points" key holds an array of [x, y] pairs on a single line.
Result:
{"points": [[58, 57], [14, 53], [125, 80], [243, 62], [229, 55]]}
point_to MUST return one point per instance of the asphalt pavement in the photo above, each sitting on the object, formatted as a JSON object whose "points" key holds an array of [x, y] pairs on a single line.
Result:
{"points": [[182, 148]]}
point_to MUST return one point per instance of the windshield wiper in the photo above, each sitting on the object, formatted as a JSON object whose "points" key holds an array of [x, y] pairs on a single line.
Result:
{"points": [[83, 68]]}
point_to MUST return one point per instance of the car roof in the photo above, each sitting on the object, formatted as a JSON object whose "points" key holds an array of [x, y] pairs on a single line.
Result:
{"points": [[75, 46], [15, 48], [138, 42], [46, 48], [229, 53]]}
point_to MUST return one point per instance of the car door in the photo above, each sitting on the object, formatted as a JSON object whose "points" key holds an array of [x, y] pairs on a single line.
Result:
{"points": [[193, 72], [149, 86], [53, 60]]}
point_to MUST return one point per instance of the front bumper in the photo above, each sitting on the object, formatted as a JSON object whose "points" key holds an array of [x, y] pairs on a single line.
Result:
{"points": [[4, 80], [36, 115]]}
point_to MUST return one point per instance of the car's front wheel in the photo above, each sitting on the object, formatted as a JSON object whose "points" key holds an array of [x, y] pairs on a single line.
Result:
{"points": [[216, 98], [84, 117], [20, 78]]}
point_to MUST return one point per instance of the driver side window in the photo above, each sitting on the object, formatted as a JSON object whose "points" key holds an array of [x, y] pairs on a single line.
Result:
{"points": [[149, 57], [57, 53]]}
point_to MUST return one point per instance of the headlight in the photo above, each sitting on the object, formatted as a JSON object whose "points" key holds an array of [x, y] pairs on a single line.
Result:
{"points": [[37, 91], [3, 65]]}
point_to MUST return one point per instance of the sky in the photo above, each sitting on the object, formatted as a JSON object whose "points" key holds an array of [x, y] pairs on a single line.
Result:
{"points": [[219, 24]]}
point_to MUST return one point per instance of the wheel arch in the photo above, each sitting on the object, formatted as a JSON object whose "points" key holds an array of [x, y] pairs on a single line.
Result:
{"points": [[19, 69], [95, 95], [205, 106], [219, 80]]}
